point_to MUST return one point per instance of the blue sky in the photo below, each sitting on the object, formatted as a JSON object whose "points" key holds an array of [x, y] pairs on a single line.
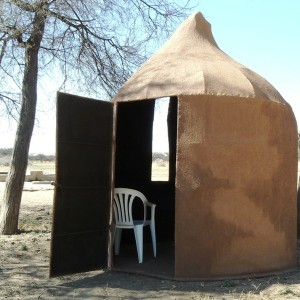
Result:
{"points": [[264, 35]]}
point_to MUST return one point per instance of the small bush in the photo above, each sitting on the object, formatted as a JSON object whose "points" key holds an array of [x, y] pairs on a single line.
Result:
{"points": [[160, 156], [41, 157], [6, 152]]}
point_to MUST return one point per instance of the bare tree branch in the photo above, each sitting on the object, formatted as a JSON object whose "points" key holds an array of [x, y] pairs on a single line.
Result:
{"points": [[95, 43], [3, 48]]}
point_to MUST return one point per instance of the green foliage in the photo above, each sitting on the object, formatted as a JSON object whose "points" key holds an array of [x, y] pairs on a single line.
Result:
{"points": [[228, 283]]}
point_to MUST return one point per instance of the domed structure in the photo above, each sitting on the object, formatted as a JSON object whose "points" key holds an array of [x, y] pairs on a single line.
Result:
{"points": [[229, 207], [191, 63], [234, 150]]}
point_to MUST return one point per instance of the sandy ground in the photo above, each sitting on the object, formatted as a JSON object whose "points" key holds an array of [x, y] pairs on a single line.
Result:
{"points": [[24, 267]]}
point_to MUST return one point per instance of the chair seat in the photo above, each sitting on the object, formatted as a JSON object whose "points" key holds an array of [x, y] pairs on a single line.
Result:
{"points": [[141, 222], [123, 200]]}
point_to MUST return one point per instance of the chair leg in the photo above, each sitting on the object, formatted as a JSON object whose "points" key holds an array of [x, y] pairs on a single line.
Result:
{"points": [[118, 234], [138, 232], [153, 235]]}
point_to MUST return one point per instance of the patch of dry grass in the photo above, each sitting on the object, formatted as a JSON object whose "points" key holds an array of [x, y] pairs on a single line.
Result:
{"points": [[24, 267], [45, 166], [160, 169], [24, 263]]}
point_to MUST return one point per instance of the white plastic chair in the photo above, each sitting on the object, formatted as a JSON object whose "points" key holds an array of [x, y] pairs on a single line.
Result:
{"points": [[123, 199]]}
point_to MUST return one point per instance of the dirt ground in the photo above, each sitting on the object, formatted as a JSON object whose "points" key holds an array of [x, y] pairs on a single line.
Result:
{"points": [[24, 267]]}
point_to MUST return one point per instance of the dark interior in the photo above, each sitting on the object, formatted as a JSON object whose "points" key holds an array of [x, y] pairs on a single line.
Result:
{"points": [[133, 161]]}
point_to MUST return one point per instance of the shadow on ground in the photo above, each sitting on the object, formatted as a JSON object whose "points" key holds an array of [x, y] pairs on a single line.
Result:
{"points": [[24, 267]]}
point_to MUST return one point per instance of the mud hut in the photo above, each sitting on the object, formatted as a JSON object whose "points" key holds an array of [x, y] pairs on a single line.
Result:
{"points": [[229, 206]]}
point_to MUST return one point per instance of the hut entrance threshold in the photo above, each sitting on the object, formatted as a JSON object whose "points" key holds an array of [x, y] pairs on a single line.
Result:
{"points": [[161, 266]]}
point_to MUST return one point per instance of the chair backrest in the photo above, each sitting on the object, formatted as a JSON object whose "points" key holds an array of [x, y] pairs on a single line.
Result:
{"points": [[123, 199]]}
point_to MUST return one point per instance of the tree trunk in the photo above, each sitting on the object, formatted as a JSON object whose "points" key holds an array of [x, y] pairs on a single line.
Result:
{"points": [[9, 214], [298, 210]]}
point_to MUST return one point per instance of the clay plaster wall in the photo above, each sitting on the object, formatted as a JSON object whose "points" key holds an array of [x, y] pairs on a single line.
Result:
{"points": [[235, 187]]}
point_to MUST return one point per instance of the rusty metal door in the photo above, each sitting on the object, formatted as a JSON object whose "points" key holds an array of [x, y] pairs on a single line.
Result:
{"points": [[82, 196]]}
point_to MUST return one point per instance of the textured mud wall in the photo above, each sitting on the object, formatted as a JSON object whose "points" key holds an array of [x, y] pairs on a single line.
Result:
{"points": [[235, 187]]}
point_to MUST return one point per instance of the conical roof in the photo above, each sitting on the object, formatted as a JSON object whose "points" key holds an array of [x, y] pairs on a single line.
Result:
{"points": [[191, 63]]}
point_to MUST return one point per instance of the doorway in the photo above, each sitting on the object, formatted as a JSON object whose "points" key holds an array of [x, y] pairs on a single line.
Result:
{"points": [[133, 169]]}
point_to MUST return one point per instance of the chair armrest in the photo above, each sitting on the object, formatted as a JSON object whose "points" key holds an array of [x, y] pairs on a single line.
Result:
{"points": [[152, 206]]}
